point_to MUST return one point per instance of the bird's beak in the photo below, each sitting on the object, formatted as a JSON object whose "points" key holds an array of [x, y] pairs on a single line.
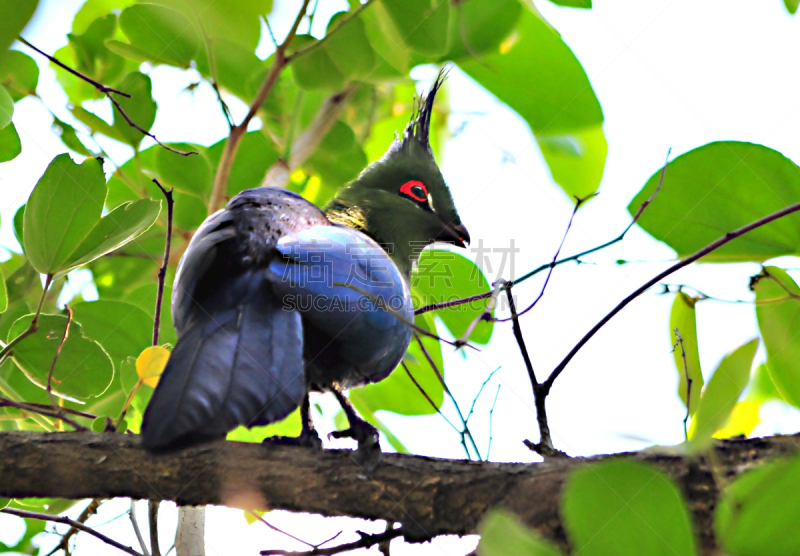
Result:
{"points": [[455, 234]]}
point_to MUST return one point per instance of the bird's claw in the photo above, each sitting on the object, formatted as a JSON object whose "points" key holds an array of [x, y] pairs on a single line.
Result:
{"points": [[369, 449], [307, 439]]}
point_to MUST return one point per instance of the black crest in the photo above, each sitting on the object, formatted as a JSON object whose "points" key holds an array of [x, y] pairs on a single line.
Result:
{"points": [[420, 125]]}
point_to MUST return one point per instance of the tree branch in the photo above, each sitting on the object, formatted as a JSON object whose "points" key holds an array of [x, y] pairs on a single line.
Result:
{"points": [[647, 285], [238, 131], [428, 496]]}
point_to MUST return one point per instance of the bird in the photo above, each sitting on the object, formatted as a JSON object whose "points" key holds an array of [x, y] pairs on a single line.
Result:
{"points": [[274, 297]]}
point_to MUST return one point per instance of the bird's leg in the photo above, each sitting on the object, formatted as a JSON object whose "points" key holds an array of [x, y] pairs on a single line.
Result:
{"points": [[362, 432], [308, 436]]}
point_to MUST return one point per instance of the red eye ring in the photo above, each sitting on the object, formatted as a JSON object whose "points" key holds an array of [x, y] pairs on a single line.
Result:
{"points": [[407, 189]]}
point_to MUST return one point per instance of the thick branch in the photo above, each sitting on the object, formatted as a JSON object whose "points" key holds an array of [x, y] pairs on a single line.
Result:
{"points": [[428, 496]]}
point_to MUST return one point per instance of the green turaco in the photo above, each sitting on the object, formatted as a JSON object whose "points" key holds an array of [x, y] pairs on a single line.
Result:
{"points": [[274, 297]]}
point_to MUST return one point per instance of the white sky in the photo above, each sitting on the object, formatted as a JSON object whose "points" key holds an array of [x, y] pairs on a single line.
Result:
{"points": [[676, 74]]}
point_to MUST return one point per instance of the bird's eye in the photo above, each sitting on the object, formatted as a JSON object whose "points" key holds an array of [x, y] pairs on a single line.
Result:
{"points": [[415, 190]]}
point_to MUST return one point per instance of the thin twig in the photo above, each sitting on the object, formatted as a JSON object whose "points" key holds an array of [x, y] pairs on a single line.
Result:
{"points": [[578, 202], [491, 416], [71, 522], [33, 326], [427, 397], [43, 408], [647, 285], [152, 514], [56, 407], [281, 531], [688, 383], [107, 91], [576, 257], [238, 131], [480, 391], [99, 86], [465, 432], [162, 272], [136, 530], [311, 47], [87, 512], [366, 541]]}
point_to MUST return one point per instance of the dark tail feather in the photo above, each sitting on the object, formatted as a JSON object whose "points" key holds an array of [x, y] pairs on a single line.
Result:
{"points": [[241, 366]]}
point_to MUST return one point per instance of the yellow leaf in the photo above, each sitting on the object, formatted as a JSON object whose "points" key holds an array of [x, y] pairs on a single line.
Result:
{"points": [[742, 421], [150, 364]]}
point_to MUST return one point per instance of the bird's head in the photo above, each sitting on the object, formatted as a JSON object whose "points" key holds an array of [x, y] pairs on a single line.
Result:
{"points": [[402, 200]]}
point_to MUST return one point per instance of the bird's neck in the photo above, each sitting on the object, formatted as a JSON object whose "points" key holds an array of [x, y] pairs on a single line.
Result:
{"points": [[404, 254]]}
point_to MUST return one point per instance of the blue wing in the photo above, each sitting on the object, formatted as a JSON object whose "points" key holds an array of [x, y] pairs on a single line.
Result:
{"points": [[355, 303]]}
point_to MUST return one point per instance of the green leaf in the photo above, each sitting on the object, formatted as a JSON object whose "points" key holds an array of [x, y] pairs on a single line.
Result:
{"points": [[479, 26], [10, 145], [397, 393], [717, 188], [422, 23], [761, 387], [683, 318], [83, 369], [256, 154], [235, 66], [69, 137], [343, 43], [338, 158], [315, 70], [6, 107], [123, 329], [391, 55], [93, 9], [15, 15], [758, 511], [537, 75], [290, 426], [63, 208], [625, 507], [191, 174], [19, 74], [140, 108], [235, 21], [791, 5], [720, 396], [587, 4], [503, 534], [576, 160], [3, 294], [446, 276], [778, 311], [164, 34]]}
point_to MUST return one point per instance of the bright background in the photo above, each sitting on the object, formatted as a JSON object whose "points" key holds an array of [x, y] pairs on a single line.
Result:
{"points": [[669, 74]]}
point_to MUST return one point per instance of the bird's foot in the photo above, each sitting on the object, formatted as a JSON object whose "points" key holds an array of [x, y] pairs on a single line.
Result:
{"points": [[307, 439], [369, 449]]}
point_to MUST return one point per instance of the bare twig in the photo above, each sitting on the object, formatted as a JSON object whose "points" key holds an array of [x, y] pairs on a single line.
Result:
{"points": [[428, 398], [366, 541], [464, 432], [99, 86], [647, 285], [278, 530], [311, 47], [152, 514], [107, 91], [56, 407], [162, 272], [33, 326], [43, 409], [491, 417], [238, 131], [576, 257], [88, 512], [71, 522], [688, 382], [578, 203], [136, 530]]}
